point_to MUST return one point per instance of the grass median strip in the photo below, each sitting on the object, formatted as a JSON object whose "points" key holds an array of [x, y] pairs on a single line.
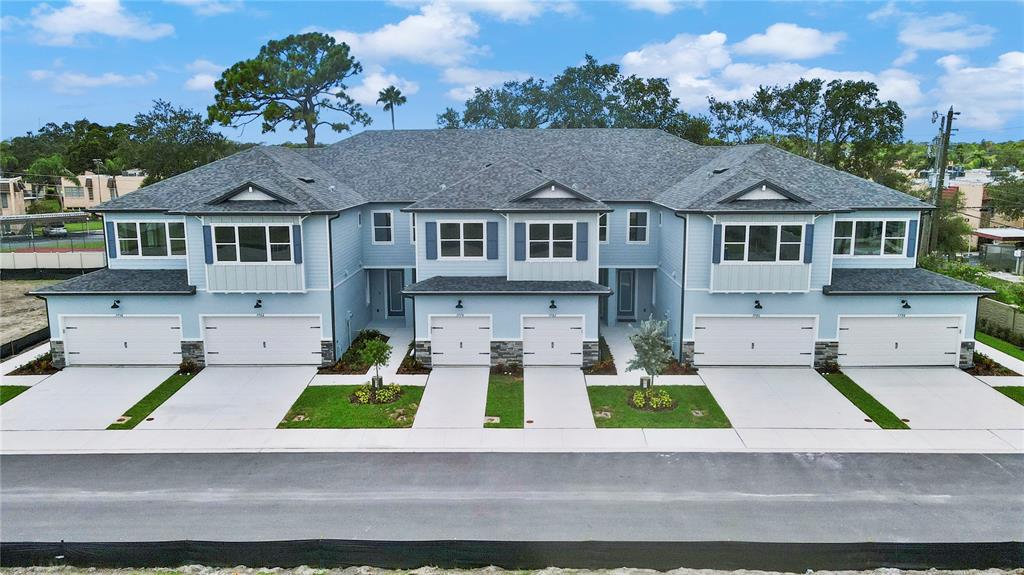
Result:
{"points": [[505, 400], [1002, 345], [329, 407], [695, 407], [154, 399], [1014, 392], [871, 407], [9, 392]]}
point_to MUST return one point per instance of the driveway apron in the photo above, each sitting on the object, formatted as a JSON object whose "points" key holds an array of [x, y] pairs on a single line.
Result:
{"points": [[939, 398], [781, 397], [81, 398], [556, 398], [233, 398], [454, 397]]}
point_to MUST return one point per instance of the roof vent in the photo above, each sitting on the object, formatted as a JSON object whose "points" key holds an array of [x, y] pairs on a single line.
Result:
{"points": [[718, 170], [331, 188], [537, 170], [488, 164], [307, 180], [444, 187]]}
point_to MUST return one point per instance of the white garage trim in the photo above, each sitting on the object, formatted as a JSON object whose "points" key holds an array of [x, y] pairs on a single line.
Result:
{"points": [[294, 356], [572, 356], [880, 357], [480, 358], [806, 355], [166, 350]]}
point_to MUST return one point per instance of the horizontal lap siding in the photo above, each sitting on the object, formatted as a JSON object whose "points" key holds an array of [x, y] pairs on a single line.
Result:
{"points": [[560, 269], [255, 277], [315, 250], [617, 253], [755, 278], [441, 267], [821, 266], [156, 263], [399, 254], [349, 279], [698, 252]]}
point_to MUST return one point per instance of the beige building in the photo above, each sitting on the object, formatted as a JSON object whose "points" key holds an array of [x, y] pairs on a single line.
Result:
{"points": [[12, 196], [94, 189]]}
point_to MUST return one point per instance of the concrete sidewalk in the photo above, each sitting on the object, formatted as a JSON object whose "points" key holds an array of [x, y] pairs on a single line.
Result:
{"points": [[513, 440]]}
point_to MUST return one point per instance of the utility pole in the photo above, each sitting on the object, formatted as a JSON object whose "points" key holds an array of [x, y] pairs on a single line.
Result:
{"points": [[931, 236]]}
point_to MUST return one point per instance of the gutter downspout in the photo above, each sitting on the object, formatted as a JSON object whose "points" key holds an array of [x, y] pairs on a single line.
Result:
{"points": [[682, 289], [330, 268]]}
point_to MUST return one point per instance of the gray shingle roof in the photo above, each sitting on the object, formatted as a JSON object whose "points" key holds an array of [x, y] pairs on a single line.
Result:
{"points": [[899, 281], [485, 169], [500, 285], [117, 281]]}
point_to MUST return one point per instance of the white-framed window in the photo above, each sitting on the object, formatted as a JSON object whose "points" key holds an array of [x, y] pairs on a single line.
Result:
{"points": [[150, 239], [550, 240], [412, 229], [383, 227], [762, 243], [461, 240], [636, 226], [602, 228], [870, 237], [252, 244]]}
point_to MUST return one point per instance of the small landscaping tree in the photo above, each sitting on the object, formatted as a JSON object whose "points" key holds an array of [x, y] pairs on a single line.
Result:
{"points": [[653, 349], [376, 352]]}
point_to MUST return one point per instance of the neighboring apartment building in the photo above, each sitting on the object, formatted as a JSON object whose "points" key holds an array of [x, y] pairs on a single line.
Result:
{"points": [[971, 186], [513, 246], [93, 189], [12, 196]]}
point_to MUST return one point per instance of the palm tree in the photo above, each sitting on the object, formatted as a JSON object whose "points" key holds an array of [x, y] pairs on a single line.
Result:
{"points": [[391, 97], [112, 167]]}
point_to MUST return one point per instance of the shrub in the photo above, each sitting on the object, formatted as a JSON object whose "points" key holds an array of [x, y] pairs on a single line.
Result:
{"points": [[652, 399], [507, 369], [188, 366], [366, 394], [41, 365], [829, 367]]}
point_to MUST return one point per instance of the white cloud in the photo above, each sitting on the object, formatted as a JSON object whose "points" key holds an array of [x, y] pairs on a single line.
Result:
{"points": [[944, 32], [467, 79], [506, 10], [373, 82], [792, 42], [687, 61], [907, 57], [438, 35], [661, 7], [77, 82], [62, 26], [204, 74], [986, 96], [209, 7]]}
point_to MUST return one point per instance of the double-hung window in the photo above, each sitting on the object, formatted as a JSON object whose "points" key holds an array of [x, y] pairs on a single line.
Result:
{"points": [[759, 243], [602, 228], [551, 240], [636, 230], [383, 228], [462, 239], [869, 237], [150, 239], [252, 244]]}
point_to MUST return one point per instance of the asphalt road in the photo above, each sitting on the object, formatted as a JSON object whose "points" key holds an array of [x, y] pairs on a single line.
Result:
{"points": [[528, 497]]}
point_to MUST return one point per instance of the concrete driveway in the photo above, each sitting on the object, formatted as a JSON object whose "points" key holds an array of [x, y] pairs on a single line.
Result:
{"points": [[454, 397], [233, 398], [939, 398], [81, 398], [781, 397], [556, 398]]}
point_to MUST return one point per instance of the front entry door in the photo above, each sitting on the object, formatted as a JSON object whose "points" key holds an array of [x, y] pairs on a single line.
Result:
{"points": [[626, 293], [396, 303]]}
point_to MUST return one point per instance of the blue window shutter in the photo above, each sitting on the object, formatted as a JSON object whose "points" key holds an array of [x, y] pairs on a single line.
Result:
{"points": [[808, 243], [111, 241], [582, 241], [208, 244], [912, 239], [716, 245], [431, 240], [492, 240], [297, 244], [520, 232]]}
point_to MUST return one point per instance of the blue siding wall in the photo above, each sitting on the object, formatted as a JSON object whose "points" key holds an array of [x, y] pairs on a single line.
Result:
{"points": [[441, 267], [618, 253], [565, 269], [350, 305], [506, 311], [821, 267], [148, 263], [315, 249], [398, 254], [698, 251], [667, 286], [880, 261]]}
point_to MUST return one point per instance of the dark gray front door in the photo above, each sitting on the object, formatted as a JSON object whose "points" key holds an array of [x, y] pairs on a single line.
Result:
{"points": [[625, 291], [396, 303]]}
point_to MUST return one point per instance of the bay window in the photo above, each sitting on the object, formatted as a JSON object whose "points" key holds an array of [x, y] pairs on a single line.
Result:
{"points": [[150, 239], [551, 240], [869, 237], [762, 243], [462, 239], [252, 244]]}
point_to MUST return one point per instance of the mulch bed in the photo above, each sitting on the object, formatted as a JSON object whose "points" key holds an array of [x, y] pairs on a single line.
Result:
{"points": [[606, 364], [676, 368], [350, 364], [983, 365], [512, 369], [42, 365], [412, 366]]}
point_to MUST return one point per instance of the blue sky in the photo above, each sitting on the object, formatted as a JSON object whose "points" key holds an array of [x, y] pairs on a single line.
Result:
{"points": [[106, 60]]}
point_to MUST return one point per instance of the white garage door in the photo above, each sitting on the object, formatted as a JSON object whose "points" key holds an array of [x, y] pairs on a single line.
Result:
{"points": [[267, 340], [552, 341], [762, 340], [122, 340], [870, 341], [462, 340]]}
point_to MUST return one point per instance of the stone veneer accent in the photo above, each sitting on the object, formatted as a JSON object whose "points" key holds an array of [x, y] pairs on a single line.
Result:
{"points": [[193, 350], [826, 352], [966, 354], [591, 353], [687, 352], [59, 360], [422, 351], [326, 352], [506, 352]]}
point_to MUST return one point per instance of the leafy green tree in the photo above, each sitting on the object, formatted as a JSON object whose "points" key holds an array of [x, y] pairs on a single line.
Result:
{"points": [[391, 97], [1006, 196], [450, 119], [376, 353], [47, 172], [294, 80], [653, 348]]}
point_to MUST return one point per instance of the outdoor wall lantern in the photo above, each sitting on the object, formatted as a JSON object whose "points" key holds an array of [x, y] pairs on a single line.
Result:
{"points": [[259, 304], [757, 304], [552, 306], [906, 304], [459, 305], [116, 304]]}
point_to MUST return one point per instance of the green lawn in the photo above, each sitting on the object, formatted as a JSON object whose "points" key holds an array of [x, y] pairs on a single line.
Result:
{"points": [[327, 406], [1014, 392], [84, 226], [147, 405], [9, 392], [1003, 346], [613, 399], [505, 400], [878, 413]]}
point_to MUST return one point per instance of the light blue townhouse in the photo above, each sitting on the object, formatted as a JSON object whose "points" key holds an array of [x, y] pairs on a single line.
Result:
{"points": [[513, 246]]}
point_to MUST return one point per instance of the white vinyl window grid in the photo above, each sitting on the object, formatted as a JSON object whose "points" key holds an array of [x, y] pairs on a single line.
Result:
{"points": [[850, 250], [640, 229], [779, 243], [384, 229], [602, 228], [174, 238], [461, 240], [235, 243], [412, 229], [550, 241]]}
